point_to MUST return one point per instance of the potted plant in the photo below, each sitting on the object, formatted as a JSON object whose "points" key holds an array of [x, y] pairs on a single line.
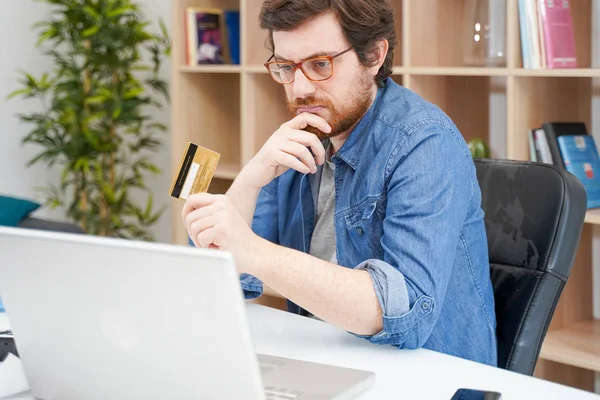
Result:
{"points": [[96, 118], [479, 148]]}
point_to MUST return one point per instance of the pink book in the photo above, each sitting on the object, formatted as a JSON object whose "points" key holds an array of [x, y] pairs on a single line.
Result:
{"points": [[559, 39]]}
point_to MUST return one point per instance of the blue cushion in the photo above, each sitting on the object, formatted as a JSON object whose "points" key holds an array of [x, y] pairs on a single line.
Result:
{"points": [[13, 210]]}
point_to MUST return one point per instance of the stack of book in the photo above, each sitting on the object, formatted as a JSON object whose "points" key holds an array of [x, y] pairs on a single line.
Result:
{"points": [[569, 146], [547, 37], [212, 36]]}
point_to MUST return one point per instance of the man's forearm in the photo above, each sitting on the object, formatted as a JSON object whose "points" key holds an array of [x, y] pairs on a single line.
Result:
{"points": [[244, 198], [341, 296]]}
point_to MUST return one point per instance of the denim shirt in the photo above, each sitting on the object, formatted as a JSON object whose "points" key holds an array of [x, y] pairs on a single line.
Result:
{"points": [[408, 211]]}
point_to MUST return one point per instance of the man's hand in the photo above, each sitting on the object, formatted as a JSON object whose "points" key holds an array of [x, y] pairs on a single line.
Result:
{"points": [[213, 222], [287, 148]]}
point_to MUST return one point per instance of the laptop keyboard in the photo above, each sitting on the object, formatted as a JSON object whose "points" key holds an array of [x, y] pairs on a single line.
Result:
{"points": [[270, 365], [272, 393], [281, 394]]}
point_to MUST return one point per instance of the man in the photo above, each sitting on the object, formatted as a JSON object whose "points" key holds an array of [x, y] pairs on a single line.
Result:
{"points": [[363, 209]]}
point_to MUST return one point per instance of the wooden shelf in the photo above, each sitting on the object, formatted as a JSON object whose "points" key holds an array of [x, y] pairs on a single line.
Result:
{"points": [[401, 70], [558, 72], [213, 69], [578, 345], [457, 71], [592, 217], [256, 69]]}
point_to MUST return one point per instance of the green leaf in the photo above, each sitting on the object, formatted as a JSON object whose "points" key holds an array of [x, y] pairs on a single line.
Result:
{"points": [[131, 93], [118, 12], [90, 31], [149, 206], [82, 164], [91, 12], [116, 113], [141, 68], [95, 99], [163, 28], [94, 117], [45, 155], [26, 91], [48, 34]]}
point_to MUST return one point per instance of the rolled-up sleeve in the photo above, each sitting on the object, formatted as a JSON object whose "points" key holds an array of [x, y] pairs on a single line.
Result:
{"points": [[428, 195]]}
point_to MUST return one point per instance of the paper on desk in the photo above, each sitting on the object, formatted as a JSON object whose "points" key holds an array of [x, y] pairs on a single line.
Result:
{"points": [[13, 377]]}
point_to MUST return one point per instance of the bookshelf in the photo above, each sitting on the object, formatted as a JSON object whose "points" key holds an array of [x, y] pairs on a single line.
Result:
{"points": [[232, 109]]}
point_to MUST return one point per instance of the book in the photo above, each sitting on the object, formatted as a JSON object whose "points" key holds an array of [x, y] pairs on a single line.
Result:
{"points": [[580, 157], [540, 32], [206, 37], [533, 154], [526, 49], [547, 34], [556, 28], [543, 147], [232, 23], [554, 129], [534, 33]]}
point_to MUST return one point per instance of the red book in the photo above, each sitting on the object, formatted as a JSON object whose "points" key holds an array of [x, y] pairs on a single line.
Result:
{"points": [[559, 39]]}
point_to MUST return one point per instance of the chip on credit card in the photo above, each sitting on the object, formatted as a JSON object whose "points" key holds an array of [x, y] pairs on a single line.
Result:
{"points": [[196, 170]]}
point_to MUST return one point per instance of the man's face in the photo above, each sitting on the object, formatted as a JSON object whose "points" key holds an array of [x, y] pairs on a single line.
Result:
{"points": [[342, 99]]}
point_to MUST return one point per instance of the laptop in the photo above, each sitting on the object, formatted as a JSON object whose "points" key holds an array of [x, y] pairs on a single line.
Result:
{"points": [[104, 318]]}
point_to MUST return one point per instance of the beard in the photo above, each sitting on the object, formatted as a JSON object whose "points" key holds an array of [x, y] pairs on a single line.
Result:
{"points": [[343, 117]]}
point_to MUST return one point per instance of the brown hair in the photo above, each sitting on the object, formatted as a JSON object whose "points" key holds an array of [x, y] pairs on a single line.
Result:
{"points": [[364, 22]]}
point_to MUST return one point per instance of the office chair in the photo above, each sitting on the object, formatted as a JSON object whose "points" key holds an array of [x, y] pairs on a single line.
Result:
{"points": [[534, 216]]}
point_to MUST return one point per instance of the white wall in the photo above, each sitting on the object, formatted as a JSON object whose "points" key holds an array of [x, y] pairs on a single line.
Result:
{"points": [[18, 51]]}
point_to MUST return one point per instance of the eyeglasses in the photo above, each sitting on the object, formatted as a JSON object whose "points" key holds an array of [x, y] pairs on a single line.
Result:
{"points": [[315, 69]]}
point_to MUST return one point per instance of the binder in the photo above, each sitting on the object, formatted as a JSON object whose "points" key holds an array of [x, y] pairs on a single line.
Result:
{"points": [[554, 130]]}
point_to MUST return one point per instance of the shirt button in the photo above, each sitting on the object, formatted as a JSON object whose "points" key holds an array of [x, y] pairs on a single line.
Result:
{"points": [[360, 231], [425, 305]]}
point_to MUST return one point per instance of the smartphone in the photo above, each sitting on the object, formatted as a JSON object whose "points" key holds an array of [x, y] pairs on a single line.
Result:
{"points": [[7, 345], [475, 394]]}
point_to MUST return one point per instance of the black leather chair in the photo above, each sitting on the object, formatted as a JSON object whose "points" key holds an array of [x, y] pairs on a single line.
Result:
{"points": [[534, 216]]}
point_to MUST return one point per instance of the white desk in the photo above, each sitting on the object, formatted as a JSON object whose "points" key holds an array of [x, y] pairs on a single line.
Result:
{"points": [[401, 374]]}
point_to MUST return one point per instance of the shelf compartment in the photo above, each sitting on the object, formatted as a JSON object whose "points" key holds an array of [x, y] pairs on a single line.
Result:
{"points": [[541, 99], [577, 345], [179, 27], [399, 79], [227, 171], [581, 13], [436, 38], [471, 111], [265, 109], [398, 17], [208, 113], [219, 186], [211, 69]]}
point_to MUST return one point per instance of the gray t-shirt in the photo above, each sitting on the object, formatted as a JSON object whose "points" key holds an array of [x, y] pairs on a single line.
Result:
{"points": [[322, 244]]}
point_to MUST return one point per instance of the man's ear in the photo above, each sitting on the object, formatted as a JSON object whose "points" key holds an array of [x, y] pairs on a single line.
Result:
{"points": [[379, 55]]}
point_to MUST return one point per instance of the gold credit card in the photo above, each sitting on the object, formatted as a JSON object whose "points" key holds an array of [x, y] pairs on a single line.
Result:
{"points": [[197, 168]]}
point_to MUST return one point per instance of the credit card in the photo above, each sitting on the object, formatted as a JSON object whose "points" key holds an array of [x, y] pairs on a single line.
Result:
{"points": [[196, 170]]}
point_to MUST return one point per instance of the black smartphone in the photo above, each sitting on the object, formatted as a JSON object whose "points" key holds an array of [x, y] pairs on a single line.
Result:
{"points": [[7, 345], [475, 394]]}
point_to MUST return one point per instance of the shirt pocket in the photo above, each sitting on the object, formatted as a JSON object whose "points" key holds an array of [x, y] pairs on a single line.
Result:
{"points": [[364, 226]]}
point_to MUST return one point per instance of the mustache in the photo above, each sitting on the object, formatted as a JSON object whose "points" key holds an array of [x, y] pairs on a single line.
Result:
{"points": [[309, 102]]}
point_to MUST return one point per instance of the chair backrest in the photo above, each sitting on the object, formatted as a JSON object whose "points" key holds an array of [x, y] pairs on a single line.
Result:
{"points": [[534, 216]]}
